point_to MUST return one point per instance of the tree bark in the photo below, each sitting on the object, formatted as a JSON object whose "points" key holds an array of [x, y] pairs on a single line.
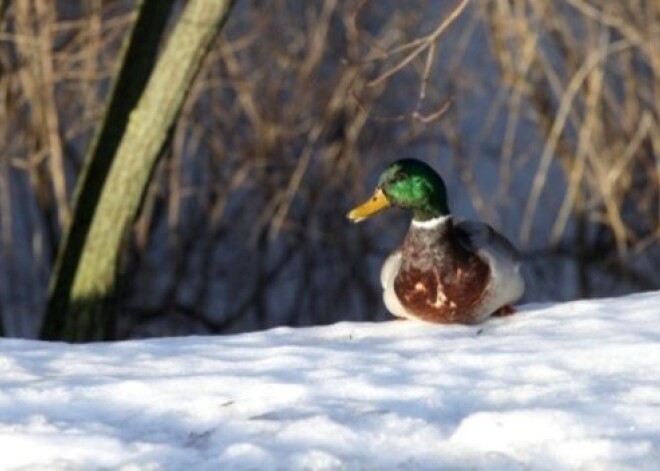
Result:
{"points": [[87, 312], [136, 64]]}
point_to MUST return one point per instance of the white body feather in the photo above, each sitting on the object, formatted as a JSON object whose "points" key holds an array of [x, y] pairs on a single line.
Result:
{"points": [[506, 284]]}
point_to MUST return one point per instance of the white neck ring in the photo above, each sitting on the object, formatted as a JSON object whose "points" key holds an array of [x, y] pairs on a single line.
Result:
{"points": [[431, 223]]}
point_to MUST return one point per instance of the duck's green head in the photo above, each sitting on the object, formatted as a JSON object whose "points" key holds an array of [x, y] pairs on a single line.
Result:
{"points": [[409, 184]]}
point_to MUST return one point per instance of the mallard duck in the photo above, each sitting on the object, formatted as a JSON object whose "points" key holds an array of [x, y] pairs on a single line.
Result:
{"points": [[445, 271]]}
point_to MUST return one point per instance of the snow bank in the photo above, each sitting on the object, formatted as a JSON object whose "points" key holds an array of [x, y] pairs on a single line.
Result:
{"points": [[566, 386]]}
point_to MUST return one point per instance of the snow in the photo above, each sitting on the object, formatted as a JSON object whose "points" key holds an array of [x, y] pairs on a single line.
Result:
{"points": [[554, 387]]}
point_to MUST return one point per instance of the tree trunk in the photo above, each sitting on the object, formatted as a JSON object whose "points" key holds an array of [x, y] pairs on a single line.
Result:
{"points": [[86, 313], [136, 64]]}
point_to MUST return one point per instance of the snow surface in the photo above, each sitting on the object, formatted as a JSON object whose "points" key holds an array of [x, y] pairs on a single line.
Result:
{"points": [[565, 386]]}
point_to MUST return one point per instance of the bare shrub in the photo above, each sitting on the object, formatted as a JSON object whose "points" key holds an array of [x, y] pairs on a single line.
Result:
{"points": [[543, 117]]}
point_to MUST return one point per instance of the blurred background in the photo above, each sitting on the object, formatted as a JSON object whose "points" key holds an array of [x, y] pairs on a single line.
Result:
{"points": [[543, 116]]}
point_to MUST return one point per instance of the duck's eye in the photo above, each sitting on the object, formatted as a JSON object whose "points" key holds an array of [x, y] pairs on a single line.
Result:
{"points": [[398, 177]]}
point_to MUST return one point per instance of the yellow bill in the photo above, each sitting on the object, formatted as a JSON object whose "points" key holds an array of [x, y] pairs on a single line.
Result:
{"points": [[373, 205]]}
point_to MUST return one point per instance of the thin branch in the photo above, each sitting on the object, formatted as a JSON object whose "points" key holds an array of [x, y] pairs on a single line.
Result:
{"points": [[420, 44]]}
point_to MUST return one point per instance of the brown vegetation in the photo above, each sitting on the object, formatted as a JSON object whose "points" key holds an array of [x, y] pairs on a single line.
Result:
{"points": [[545, 113]]}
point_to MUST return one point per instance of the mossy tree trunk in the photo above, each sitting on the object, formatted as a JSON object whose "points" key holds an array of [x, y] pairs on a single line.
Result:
{"points": [[136, 64], [86, 297], [4, 5]]}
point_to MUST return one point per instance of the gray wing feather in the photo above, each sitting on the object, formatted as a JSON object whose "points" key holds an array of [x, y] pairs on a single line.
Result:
{"points": [[480, 236]]}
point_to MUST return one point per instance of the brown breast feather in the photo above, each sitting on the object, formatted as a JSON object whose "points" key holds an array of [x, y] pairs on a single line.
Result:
{"points": [[439, 280]]}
